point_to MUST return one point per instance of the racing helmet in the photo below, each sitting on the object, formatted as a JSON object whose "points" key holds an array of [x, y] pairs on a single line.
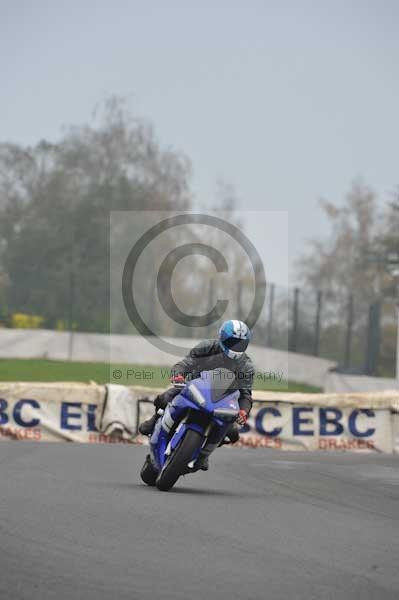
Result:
{"points": [[234, 337]]}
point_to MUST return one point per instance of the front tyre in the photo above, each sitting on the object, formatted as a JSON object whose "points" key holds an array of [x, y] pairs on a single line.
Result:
{"points": [[148, 474], [177, 464]]}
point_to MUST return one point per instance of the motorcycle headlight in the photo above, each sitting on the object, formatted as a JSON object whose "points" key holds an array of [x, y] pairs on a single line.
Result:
{"points": [[225, 414]]}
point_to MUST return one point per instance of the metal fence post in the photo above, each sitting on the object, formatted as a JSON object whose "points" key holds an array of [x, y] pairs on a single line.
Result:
{"points": [[373, 339], [269, 336], [294, 331], [71, 310], [348, 334], [316, 346], [397, 342]]}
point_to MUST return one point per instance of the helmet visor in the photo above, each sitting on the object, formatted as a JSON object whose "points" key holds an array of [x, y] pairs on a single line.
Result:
{"points": [[236, 344]]}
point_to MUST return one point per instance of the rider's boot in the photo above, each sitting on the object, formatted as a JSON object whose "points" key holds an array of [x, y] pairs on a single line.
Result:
{"points": [[147, 427], [233, 433], [202, 462]]}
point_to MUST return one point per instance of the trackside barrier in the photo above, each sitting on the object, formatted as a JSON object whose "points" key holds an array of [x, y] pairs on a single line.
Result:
{"points": [[50, 412], [94, 413]]}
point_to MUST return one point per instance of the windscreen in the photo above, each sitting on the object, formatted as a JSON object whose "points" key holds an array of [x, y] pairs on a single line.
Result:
{"points": [[222, 382]]}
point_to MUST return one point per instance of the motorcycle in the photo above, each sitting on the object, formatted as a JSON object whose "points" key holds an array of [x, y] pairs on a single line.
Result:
{"points": [[204, 410]]}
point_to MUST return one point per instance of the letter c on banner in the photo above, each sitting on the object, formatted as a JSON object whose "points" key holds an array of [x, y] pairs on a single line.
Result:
{"points": [[259, 421], [17, 413], [352, 423]]}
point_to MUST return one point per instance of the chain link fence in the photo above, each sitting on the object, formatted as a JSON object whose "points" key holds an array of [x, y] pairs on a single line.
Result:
{"points": [[360, 337]]}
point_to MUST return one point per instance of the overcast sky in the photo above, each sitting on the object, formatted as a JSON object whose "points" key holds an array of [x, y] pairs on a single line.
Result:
{"points": [[289, 101]]}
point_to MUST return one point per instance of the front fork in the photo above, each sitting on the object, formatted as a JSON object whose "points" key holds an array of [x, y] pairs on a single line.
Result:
{"points": [[214, 435]]}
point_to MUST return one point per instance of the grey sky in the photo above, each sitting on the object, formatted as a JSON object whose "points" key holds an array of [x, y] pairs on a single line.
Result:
{"points": [[289, 101]]}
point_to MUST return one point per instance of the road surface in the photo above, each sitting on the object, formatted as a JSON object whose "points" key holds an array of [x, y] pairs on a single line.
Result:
{"points": [[76, 522]]}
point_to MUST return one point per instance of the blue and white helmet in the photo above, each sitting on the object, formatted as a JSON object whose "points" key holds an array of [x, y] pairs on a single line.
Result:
{"points": [[234, 337]]}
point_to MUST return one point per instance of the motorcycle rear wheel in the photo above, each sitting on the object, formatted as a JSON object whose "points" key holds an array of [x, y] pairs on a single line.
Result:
{"points": [[177, 464]]}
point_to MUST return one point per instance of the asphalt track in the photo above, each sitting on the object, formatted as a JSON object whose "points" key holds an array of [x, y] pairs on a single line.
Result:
{"points": [[75, 522]]}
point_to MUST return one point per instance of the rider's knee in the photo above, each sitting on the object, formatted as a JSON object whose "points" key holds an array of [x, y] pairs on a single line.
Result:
{"points": [[160, 402], [234, 433]]}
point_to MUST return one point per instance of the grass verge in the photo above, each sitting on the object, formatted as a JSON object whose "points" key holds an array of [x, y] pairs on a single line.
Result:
{"points": [[150, 376]]}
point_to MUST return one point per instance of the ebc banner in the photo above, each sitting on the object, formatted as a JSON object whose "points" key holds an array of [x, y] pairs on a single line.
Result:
{"points": [[50, 412], [296, 427]]}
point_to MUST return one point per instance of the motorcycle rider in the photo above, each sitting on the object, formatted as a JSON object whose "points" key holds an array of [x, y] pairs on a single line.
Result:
{"points": [[228, 352]]}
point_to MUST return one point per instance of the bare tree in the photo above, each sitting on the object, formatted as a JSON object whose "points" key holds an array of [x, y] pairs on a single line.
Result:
{"points": [[55, 201], [342, 264]]}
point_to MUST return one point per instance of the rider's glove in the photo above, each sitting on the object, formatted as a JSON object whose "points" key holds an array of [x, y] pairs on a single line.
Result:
{"points": [[242, 417], [177, 379]]}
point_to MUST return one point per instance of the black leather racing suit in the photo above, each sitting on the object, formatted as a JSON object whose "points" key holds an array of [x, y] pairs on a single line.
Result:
{"points": [[208, 355]]}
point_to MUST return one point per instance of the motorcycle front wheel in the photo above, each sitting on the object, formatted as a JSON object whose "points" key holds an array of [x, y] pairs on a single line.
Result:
{"points": [[177, 464]]}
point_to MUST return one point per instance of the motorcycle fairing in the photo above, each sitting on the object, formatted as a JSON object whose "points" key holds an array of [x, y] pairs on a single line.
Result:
{"points": [[198, 418]]}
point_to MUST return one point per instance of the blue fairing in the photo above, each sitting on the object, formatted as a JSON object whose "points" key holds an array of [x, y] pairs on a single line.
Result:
{"points": [[172, 427], [180, 431], [161, 437]]}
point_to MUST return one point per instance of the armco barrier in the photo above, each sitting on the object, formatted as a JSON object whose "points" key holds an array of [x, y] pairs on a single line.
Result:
{"points": [[82, 412]]}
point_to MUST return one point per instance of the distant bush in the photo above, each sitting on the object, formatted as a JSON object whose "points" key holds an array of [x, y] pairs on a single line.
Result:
{"points": [[23, 321], [60, 325]]}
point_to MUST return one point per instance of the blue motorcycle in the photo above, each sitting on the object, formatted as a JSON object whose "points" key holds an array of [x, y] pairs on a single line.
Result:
{"points": [[201, 413]]}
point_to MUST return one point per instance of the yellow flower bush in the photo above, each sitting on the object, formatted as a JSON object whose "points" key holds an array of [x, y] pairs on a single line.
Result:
{"points": [[23, 321]]}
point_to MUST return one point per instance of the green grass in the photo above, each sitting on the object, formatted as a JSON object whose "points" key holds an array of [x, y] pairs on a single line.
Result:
{"points": [[52, 370]]}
